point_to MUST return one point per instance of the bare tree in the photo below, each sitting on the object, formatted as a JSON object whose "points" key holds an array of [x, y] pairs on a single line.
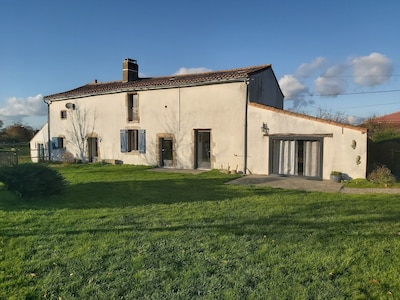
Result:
{"points": [[325, 114], [338, 116], [82, 126]]}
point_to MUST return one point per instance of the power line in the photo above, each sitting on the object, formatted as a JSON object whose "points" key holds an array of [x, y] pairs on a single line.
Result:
{"points": [[347, 76], [357, 93], [370, 105], [344, 94]]}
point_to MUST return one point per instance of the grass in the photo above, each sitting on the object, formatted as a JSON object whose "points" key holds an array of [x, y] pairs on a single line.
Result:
{"points": [[123, 232]]}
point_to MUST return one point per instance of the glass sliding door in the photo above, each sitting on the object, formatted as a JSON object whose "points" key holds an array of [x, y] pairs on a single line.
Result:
{"points": [[296, 157], [312, 158]]}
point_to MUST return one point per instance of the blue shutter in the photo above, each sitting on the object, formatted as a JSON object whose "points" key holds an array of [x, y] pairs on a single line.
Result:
{"points": [[123, 135], [54, 142], [142, 140]]}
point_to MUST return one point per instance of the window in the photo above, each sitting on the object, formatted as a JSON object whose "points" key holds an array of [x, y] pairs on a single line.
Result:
{"points": [[58, 142], [133, 107], [63, 114], [133, 140]]}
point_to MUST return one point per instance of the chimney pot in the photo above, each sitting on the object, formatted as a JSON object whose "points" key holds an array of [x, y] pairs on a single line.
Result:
{"points": [[130, 70]]}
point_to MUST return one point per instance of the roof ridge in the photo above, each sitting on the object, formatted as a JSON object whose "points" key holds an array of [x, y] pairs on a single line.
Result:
{"points": [[190, 79], [225, 70]]}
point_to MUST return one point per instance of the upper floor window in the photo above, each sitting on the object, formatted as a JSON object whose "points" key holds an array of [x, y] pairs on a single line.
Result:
{"points": [[133, 107], [63, 114]]}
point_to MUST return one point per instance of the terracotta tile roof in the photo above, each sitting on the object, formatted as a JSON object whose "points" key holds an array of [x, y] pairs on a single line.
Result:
{"points": [[390, 118], [290, 113], [158, 82]]}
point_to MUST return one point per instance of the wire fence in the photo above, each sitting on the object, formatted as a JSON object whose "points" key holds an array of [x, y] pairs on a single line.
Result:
{"points": [[14, 153], [8, 157]]}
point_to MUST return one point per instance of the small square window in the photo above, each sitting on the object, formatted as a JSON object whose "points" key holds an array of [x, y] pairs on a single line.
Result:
{"points": [[63, 114]]}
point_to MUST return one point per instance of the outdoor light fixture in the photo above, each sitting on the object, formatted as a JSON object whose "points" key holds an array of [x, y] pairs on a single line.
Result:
{"points": [[264, 128]]}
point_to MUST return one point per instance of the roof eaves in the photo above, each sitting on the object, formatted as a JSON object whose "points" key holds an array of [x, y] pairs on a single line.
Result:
{"points": [[286, 112]]}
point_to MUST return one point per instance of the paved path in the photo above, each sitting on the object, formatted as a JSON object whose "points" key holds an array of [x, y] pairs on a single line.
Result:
{"points": [[300, 183], [292, 183]]}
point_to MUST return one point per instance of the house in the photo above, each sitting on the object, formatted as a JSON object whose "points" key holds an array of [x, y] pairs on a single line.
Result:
{"points": [[393, 118], [232, 120]]}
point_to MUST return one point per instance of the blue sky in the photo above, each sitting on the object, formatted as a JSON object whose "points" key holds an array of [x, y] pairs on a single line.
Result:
{"points": [[338, 56]]}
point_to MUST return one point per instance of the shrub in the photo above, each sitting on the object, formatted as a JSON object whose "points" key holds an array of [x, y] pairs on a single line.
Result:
{"points": [[29, 180], [68, 157], [381, 174]]}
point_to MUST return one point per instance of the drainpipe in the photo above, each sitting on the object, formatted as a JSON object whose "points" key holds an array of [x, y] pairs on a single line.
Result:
{"points": [[48, 102], [247, 81]]}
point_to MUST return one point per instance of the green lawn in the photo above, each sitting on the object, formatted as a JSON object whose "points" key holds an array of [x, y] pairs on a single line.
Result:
{"points": [[123, 232]]}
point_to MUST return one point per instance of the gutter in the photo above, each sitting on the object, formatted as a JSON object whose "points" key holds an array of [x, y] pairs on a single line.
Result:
{"points": [[247, 81], [48, 102]]}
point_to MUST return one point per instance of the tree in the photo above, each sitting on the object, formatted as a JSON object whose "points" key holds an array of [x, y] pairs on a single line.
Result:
{"points": [[380, 131], [82, 126], [17, 133], [339, 117]]}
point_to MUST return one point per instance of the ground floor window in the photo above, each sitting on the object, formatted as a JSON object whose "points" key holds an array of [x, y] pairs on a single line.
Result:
{"points": [[133, 140], [297, 157], [58, 142]]}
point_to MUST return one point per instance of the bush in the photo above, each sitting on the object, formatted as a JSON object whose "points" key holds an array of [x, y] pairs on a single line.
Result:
{"points": [[29, 180], [381, 174]]}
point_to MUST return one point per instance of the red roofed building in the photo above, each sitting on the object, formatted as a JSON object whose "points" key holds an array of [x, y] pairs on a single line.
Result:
{"points": [[393, 118]]}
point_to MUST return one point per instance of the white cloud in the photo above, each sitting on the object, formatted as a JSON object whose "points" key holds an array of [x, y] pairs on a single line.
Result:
{"points": [[307, 69], [18, 108], [354, 120], [183, 71], [331, 83], [292, 88], [371, 70]]}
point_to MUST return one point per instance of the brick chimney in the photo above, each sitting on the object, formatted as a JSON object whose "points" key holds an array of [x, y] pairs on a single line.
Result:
{"points": [[130, 70]]}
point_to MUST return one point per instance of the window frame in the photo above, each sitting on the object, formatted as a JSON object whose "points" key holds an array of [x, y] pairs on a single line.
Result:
{"points": [[58, 142], [132, 103], [133, 140], [63, 114]]}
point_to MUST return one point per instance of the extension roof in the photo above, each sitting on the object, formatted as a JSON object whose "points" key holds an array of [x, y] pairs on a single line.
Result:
{"points": [[214, 77]]}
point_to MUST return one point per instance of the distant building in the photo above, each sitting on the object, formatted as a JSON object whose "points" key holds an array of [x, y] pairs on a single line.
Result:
{"points": [[393, 118], [232, 120]]}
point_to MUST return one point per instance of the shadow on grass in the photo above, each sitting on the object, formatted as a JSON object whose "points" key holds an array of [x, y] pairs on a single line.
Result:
{"points": [[119, 194], [304, 218], [277, 227]]}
